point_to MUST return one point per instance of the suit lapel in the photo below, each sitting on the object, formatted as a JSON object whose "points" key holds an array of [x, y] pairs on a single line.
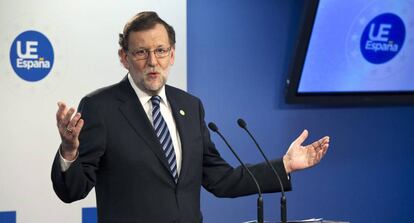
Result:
{"points": [[134, 113]]}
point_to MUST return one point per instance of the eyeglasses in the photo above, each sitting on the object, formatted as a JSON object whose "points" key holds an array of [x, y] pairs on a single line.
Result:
{"points": [[143, 54]]}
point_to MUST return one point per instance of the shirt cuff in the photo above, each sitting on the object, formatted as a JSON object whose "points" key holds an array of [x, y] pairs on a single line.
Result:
{"points": [[65, 164]]}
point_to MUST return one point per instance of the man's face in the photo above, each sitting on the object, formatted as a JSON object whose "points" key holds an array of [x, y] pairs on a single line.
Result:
{"points": [[149, 74]]}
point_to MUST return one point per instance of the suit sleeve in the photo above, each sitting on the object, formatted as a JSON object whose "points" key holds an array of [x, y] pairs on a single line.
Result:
{"points": [[223, 180], [76, 182]]}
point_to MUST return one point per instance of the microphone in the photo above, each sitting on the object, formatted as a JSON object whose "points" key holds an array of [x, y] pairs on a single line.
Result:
{"points": [[283, 211], [214, 128]]}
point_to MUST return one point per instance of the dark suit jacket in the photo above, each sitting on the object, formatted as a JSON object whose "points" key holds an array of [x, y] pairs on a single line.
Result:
{"points": [[121, 157]]}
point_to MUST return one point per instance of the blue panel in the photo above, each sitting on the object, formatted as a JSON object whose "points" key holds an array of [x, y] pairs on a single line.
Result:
{"points": [[7, 217], [238, 55], [89, 215]]}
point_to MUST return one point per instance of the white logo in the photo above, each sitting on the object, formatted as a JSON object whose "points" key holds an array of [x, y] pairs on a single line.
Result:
{"points": [[29, 50], [30, 59], [380, 41], [383, 32]]}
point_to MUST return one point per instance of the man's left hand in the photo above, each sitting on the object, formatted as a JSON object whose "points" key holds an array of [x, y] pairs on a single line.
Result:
{"points": [[300, 157]]}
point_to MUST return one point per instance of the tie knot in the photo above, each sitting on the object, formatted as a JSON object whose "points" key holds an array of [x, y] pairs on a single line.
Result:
{"points": [[155, 100]]}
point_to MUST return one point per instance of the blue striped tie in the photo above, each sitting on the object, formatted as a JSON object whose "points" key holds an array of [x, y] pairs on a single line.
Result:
{"points": [[161, 129]]}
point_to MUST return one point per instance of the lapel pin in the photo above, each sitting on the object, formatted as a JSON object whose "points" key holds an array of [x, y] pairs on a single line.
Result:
{"points": [[182, 112]]}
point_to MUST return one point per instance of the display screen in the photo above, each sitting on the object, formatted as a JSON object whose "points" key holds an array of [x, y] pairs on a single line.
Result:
{"points": [[357, 48]]}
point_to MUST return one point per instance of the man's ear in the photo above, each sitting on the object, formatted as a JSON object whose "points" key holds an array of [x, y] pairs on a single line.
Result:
{"points": [[123, 58], [172, 56]]}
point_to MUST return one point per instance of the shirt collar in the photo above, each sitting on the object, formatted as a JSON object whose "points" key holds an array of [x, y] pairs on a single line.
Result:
{"points": [[145, 97]]}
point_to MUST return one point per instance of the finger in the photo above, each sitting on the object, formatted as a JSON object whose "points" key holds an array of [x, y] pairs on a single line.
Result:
{"points": [[321, 153], [319, 157], [68, 117], [60, 114], [325, 139], [302, 137], [325, 149], [322, 142], [78, 127], [72, 123], [318, 145]]}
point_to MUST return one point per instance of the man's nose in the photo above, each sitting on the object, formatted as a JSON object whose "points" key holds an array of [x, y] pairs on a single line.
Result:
{"points": [[152, 59]]}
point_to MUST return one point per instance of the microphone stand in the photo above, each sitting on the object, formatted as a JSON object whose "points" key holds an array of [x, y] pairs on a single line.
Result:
{"points": [[214, 128], [283, 209]]}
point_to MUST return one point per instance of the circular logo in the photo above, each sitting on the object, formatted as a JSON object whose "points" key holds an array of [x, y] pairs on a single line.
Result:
{"points": [[382, 38], [31, 56]]}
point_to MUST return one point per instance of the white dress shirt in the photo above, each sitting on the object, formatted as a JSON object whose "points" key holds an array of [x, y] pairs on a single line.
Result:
{"points": [[166, 112]]}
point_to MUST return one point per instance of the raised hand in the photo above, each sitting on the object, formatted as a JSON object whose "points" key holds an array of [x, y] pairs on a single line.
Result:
{"points": [[300, 157], [69, 128]]}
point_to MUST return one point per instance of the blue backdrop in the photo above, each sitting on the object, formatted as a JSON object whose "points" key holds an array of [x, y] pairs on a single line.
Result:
{"points": [[239, 52]]}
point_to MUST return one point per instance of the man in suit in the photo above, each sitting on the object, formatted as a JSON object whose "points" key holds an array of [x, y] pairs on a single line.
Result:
{"points": [[144, 145]]}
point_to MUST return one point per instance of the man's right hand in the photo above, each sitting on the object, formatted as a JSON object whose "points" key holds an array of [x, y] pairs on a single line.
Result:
{"points": [[69, 128]]}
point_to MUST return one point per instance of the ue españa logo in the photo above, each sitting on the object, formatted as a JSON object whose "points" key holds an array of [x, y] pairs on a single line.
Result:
{"points": [[31, 56], [382, 38]]}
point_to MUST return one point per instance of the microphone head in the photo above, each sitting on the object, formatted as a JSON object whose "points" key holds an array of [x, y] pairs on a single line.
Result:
{"points": [[212, 127], [241, 123]]}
